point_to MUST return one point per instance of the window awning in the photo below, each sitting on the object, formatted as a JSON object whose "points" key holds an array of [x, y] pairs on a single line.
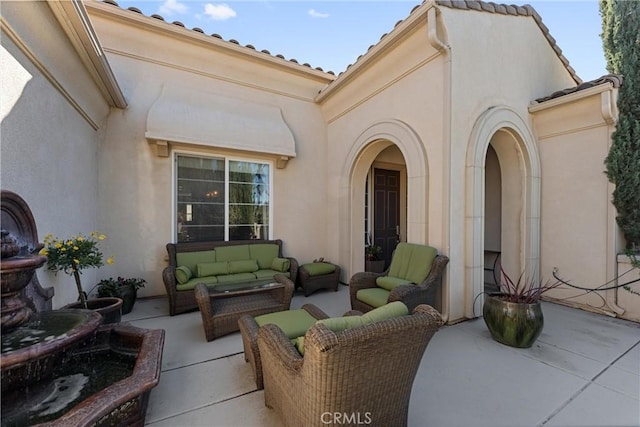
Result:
{"points": [[188, 116]]}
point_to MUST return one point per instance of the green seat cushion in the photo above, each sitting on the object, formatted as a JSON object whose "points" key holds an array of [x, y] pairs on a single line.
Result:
{"points": [[390, 283], [238, 277], [294, 323], [232, 253], [268, 274], [387, 311], [192, 259], [280, 264], [319, 268], [264, 253], [213, 269], [183, 274], [375, 297], [244, 266], [191, 284], [412, 262]]}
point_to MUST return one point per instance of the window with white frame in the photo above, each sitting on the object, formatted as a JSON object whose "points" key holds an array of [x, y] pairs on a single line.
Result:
{"points": [[221, 199]]}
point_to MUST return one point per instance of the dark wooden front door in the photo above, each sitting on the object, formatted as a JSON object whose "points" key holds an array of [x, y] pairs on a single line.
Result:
{"points": [[386, 211]]}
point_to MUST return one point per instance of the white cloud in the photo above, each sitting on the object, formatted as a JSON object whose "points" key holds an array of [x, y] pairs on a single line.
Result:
{"points": [[169, 7], [315, 14], [219, 12]]}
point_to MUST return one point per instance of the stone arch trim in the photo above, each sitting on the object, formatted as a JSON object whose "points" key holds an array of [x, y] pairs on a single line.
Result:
{"points": [[366, 147], [499, 118]]}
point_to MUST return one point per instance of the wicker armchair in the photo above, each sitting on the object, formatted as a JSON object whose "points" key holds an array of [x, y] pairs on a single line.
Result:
{"points": [[421, 291], [365, 372]]}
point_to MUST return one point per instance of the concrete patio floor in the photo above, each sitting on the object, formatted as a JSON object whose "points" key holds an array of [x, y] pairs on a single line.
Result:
{"points": [[584, 370]]}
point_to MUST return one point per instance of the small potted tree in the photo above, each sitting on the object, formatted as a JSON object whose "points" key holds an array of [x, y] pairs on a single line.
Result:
{"points": [[372, 262], [126, 289], [73, 255]]}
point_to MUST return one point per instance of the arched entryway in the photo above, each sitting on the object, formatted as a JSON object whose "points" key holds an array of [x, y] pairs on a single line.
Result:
{"points": [[373, 144], [502, 152]]}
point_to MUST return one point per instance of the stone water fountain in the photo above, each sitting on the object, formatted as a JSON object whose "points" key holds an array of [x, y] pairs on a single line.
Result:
{"points": [[61, 367]]}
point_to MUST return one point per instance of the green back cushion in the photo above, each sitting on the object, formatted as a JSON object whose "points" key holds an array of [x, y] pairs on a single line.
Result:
{"points": [[280, 264], [387, 311], [264, 253], [390, 283], [183, 274], [213, 268], [294, 323], [412, 262], [339, 324], [319, 268], [375, 297], [244, 266], [192, 259], [232, 253]]}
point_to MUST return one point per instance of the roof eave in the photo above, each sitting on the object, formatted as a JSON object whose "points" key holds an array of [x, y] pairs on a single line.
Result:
{"points": [[74, 21], [180, 32], [387, 41]]}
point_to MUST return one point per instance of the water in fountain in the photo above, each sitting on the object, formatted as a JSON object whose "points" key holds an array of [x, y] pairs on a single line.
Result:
{"points": [[61, 367]]}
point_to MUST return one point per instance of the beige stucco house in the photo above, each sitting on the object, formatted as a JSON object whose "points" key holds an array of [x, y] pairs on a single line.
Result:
{"points": [[113, 120]]}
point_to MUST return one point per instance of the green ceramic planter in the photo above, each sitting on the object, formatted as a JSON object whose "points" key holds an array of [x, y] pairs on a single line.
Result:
{"points": [[513, 324]]}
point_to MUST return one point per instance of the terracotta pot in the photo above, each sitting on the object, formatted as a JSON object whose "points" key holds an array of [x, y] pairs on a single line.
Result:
{"points": [[110, 308], [513, 324]]}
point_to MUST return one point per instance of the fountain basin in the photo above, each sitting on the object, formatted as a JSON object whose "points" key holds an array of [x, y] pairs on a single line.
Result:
{"points": [[104, 380]]}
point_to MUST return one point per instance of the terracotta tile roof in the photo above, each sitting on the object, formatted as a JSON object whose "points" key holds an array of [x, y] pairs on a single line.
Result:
{"points": [[199, 30], [504, 9], [614, 79], [481, 6]]}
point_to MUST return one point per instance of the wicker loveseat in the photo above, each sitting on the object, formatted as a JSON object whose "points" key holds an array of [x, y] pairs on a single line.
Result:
{"points": [[234, 262], [414, 276], [365, 371]]}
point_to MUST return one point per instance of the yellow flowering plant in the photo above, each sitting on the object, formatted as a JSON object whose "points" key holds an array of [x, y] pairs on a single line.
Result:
{"points": [[73, 255]]}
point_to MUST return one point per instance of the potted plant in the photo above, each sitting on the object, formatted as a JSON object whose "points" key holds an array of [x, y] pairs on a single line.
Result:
{"points": [[126, 289], [514, 315], [372, 261], [73, 255]]}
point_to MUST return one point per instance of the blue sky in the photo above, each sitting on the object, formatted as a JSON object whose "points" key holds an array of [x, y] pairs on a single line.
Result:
{"points": [[331, 34]]}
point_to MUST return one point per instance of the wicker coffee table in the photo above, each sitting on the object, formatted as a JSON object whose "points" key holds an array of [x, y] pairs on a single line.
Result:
{"points": [[222, 306]]}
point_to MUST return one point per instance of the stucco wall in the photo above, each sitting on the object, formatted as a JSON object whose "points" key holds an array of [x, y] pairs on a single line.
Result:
{"points": [[49, 150], [397, 99], [578, 231], [137, 207], [504, 63]]}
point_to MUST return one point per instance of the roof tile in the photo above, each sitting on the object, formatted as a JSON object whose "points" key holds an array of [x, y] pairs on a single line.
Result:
{"points": [[613, 79]]}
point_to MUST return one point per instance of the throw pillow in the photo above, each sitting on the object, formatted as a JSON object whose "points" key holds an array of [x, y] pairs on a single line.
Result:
{"points": [[183, 274], [213, 269], [245, 266], [280, 264]]}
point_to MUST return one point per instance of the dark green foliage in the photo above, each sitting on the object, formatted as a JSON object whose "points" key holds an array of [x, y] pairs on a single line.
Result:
{"points": [[621, 42], [111, 287]]}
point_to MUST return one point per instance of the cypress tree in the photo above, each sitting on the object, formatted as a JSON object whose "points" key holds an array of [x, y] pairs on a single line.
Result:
{"points": [[621, 43]]}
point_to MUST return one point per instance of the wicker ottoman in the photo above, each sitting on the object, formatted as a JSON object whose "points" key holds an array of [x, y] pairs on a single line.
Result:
{"points": [[318, 275], [294, 323]]}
